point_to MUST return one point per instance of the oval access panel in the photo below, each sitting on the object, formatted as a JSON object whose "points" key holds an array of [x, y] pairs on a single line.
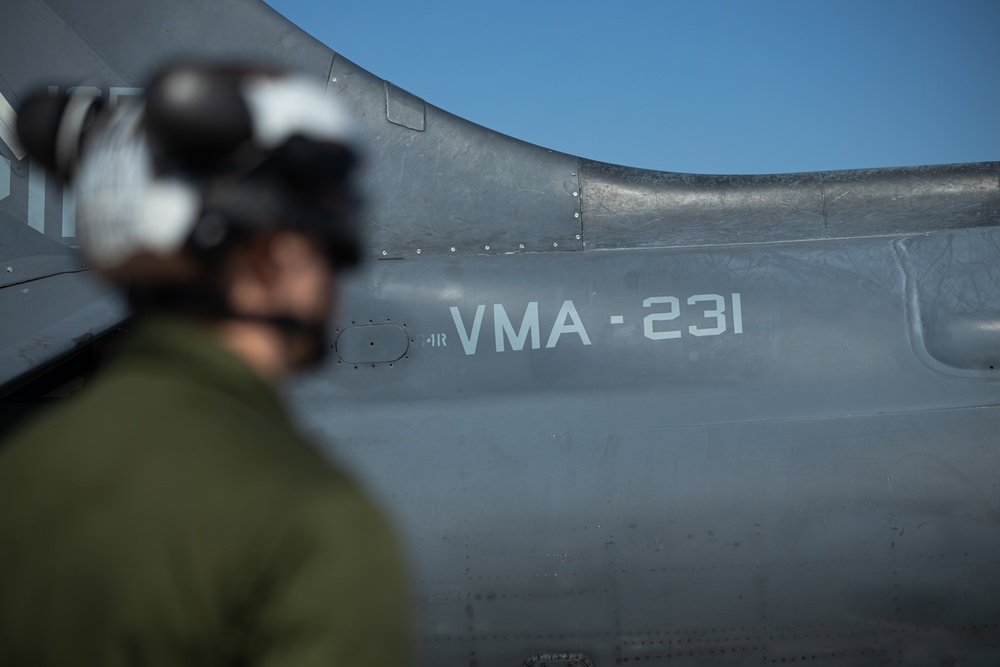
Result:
{"points": [[372, 343]]}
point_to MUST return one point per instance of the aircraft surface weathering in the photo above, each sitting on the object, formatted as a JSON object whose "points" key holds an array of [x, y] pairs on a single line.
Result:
{"points": [[619, 415]]}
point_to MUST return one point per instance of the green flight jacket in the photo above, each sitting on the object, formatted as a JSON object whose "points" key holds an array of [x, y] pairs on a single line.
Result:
{"points": [[172, 515]]}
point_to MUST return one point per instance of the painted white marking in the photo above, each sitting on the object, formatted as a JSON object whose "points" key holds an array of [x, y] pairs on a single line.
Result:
{"points": [[470, 340], [8, 121], [4, 177], [503, 327], [567, 312], [36, 197], [649, 321], [437, 340], [617, 319], [708, 313], [68, 212], [737, 313], [718, 313]]}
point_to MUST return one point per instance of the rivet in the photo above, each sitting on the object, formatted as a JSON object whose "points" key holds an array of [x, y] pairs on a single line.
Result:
{"points": [[385, 252], [418, 251], [487, 247], [576, 215], [577, 237], [576, 194], [333, 80], [10, 269], [453, 248], [555, 245], [520, 246]]}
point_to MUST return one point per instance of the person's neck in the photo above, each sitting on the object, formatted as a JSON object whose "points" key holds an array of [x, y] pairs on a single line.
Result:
{"points": [[259, 345]]}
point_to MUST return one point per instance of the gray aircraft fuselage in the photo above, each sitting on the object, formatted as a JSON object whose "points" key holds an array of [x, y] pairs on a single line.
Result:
{"points": [[617, 415], [753, 451]]}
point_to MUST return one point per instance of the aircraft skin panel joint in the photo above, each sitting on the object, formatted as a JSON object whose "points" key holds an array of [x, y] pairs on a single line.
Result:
{"points": [[405, 109]]}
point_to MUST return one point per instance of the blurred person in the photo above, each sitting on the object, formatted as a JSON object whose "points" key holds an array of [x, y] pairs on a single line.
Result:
{"points": [[172, 514]]}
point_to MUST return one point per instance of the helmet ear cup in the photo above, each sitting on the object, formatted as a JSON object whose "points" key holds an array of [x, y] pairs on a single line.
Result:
{"points": [[52, 128], [196, 116], [312, 166], [38, 126], [211, 156]]}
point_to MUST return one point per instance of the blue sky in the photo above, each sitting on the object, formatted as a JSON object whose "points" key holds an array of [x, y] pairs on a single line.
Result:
{"points": [[709, 86]]}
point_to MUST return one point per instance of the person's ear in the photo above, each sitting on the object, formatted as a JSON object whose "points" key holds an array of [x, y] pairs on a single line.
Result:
{"points": [[251, 274]]}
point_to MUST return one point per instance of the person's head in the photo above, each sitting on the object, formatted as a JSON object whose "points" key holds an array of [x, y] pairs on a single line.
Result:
{"points": [[225, 194]]}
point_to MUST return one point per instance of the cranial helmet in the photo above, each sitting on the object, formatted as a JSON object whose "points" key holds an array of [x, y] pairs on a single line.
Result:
{"points": [[209, 155]]}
